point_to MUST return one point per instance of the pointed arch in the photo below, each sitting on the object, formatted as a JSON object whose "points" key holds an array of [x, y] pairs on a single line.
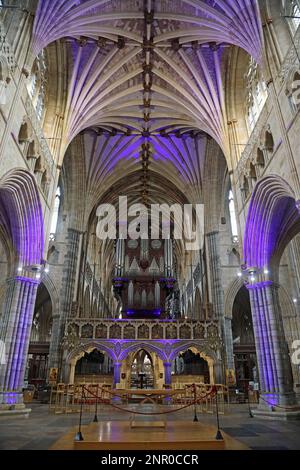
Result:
{"points": [[272, 221], [21, 216]]}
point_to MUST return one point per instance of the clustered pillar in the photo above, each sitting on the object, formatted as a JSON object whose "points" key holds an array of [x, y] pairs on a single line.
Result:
{"points": [[274, 365], [168, 374], [217, 293], [15, 332]]}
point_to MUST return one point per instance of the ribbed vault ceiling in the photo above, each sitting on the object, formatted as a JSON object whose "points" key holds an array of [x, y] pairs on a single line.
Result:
{"points": [[145, 86], [148, 66]]}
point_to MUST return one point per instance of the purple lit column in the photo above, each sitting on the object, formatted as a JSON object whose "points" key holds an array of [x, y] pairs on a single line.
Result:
{"points": [[15, 331], [117, 373], [273, 360], [168, 374]]}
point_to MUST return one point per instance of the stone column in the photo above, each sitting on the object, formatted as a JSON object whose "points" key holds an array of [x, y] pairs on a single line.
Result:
{"points": [[218, 295], [275, 374], [68, 286], [168, 374], [211, 374], [15, 332], [229, 344], [218, 372], [117, 373], [72, 372]]}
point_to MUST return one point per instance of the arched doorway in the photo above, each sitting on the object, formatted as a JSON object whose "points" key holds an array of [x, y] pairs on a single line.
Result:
{"points": [[38, 353], [94, 367], [243, 341], [142, 370], [191, 366]]}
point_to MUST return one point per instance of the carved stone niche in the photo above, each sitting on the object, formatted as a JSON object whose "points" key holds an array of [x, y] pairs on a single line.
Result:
{"points": [[157, 332], [115, 332], [73, 329], [171, 332], [129, 332], [32, 154], [185, 332], [101, 331], [199, 331], [24, 132], [87, 331], [212, 331], [143, 332]]}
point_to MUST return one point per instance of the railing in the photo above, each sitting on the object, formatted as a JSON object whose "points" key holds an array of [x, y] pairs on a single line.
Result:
{"points": [[85, 328], [68, 398]]}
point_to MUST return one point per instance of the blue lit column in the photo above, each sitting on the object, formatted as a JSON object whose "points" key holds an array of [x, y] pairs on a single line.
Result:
{"points": [[117, 372], [168, 374], [15, 329], [275, 374]]}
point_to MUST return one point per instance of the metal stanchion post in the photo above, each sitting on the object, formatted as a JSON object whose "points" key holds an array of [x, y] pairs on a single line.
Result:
{"points": [[96, 406], [249, 407], [219, 436], [79, 436], [195, 404]]}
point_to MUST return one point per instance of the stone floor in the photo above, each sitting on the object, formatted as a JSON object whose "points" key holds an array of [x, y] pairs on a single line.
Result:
{"points": [[41, 429]]}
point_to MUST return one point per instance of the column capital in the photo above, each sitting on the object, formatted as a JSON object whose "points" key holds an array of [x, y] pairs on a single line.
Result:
{"points": [[260, 285], [21, 278], [255, 277]]}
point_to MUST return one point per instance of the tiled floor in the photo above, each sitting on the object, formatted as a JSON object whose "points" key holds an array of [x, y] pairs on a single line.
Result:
{"points": [[42, 429]]}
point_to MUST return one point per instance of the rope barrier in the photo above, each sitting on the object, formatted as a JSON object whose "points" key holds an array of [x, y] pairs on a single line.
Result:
{"points": [[69, 398], [278, 406], [197, 401]]}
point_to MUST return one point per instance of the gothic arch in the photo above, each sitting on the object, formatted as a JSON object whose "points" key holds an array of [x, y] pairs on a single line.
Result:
{"points": [[89, 346], [230, 296], [149, 347], [204, 350], [272, 221], [51, 288], [21, 216]]}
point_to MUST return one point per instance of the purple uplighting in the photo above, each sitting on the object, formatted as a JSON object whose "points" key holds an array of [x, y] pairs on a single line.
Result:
{"points": [[272, 214]]}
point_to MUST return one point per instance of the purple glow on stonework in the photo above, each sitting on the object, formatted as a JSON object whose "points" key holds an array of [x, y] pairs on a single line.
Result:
{"points": [[271, 215], [271, 399], [27, 279], [259, 285], [11, 398], [150, 312], [231, 18], [24, 216], [268, 371]]}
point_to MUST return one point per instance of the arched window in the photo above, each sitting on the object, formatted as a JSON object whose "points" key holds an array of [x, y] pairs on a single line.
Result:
{"points": [[256, 94], [233, 221], [291, 11], [55, 213]]}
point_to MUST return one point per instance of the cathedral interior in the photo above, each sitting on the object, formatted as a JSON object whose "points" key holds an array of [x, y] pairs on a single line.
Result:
{"points": [[169, 103]]}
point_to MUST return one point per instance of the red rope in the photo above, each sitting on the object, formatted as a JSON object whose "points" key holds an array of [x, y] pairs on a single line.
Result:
{"points": [[197, 401], [278, 406]]}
